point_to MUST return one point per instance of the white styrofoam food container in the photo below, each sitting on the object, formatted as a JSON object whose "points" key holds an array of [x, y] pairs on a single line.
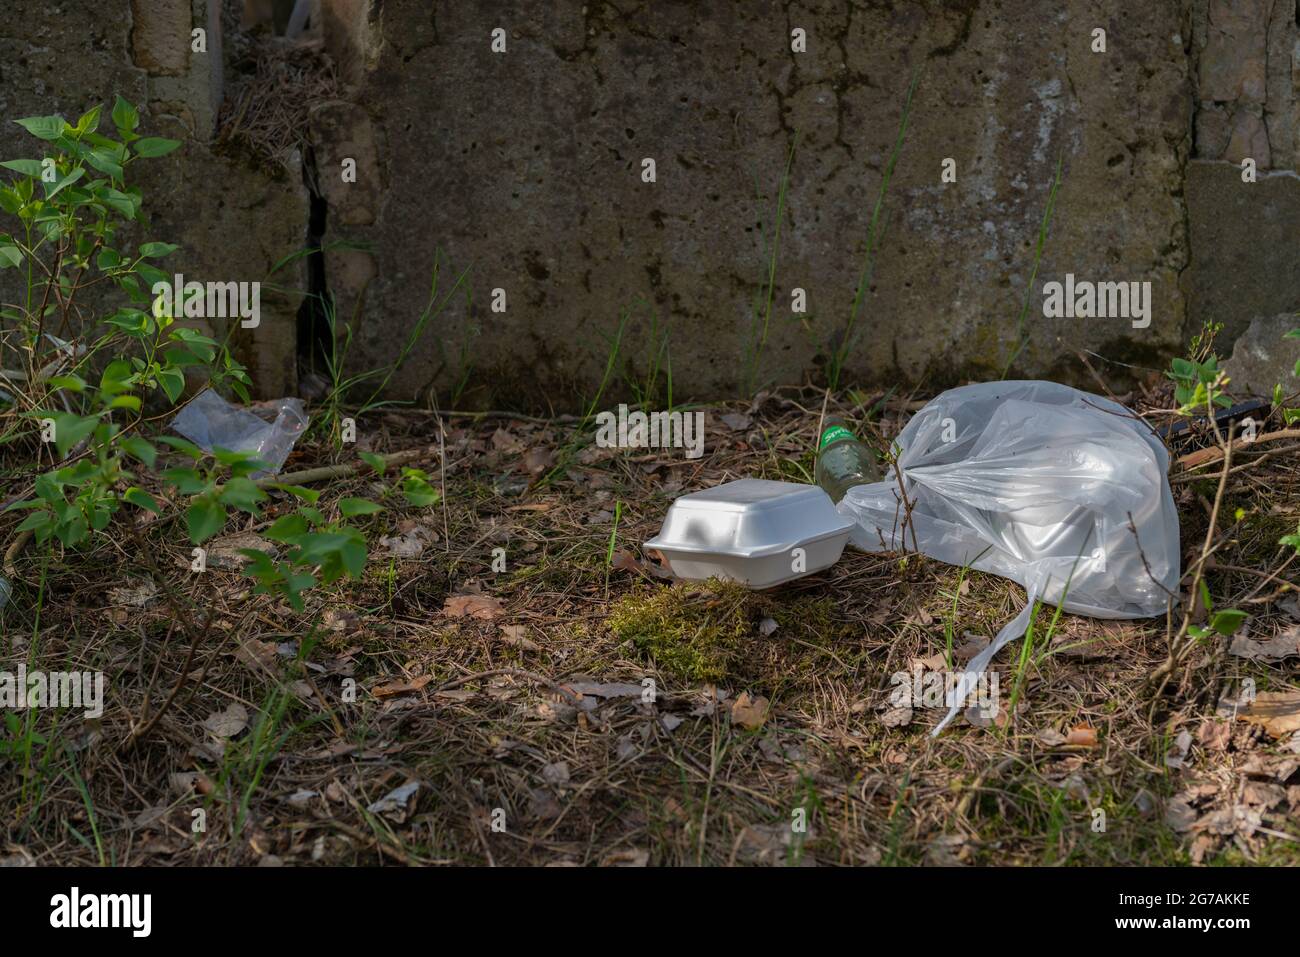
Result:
{"points": [[748, 531]]}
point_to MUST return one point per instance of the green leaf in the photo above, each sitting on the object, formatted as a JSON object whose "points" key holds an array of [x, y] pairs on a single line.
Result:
{"points": [[376, 462], [131, 402], [152, 275], [116, 377], [135, 322], [10, 256], [417, 490], [1205, 596], [74, 532], [118, 201], [69, 429], [239, 462], [351, 507], [287, 528], [105, 162], [335, 553], [26, 167], [131, 286], [142, 499], [141, 449], [53, 189], [71, 382], [89, 121], [182, 445], [204, 518], [39, 521], [172, 382], [157, 250], [353, 554], [308, 495], [1293, 334], [1227, 621], [187, 481], [242, 494], [48, 128], [125, 116], [152, 146]]}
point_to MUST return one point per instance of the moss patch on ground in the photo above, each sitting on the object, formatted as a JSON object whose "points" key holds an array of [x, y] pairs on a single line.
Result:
{"points": [[713, 631]]}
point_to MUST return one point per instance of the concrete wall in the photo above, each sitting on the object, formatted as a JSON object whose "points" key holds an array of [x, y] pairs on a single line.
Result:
{"points": [[525, 167]]}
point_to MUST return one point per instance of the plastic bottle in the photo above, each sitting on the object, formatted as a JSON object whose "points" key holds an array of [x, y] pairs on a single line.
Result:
{"points": [[842, 459]]}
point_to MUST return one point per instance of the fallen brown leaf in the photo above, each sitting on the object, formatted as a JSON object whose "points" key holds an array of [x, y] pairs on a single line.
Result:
{"points": [[749, 712], [1082, 735], [483, 607], [516, 636], [223, 553], [1286, 644], [1277, 712], [897, 717], [1215, 735], [401, 687], [537, 460], [503, 441], [136, 596], [624, 560], [228, 723], [259, 655]]}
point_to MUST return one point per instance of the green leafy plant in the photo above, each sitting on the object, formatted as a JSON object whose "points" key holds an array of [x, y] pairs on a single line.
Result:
{"points": [[209, 496], [413, 483], [1223, 622], [1197, 385], [1198, 379], [1291, 541], [321, 549], [1289, 415], [72, 206]]}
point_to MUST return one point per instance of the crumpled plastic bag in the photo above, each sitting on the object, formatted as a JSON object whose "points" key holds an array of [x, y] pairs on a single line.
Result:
{"points": [[209, 421], [1065, 492]]}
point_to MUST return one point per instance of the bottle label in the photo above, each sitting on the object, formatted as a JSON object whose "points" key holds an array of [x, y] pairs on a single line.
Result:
{"points": [[834, 434]]}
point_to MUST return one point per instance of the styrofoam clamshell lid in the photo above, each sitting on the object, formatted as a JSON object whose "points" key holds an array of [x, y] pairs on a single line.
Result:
{"points": [[750, 518]]}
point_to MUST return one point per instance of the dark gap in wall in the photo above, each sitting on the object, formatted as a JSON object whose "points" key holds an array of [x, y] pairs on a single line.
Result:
{"points": [[314, 340]]}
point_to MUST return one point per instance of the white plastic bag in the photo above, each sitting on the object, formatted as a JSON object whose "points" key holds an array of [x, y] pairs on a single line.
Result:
{"points": [[1065, 492]]}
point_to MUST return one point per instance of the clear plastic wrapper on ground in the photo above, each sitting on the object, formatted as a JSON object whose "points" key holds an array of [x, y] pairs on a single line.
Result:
{"points": [[209, 421], [1065, 492]]}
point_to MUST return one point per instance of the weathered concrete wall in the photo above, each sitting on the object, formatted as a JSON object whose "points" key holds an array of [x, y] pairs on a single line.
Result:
{"points": [[525, 166]]}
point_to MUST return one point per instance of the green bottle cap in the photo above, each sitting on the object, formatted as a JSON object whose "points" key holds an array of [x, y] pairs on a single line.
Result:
{"points": [[834, 433]]}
